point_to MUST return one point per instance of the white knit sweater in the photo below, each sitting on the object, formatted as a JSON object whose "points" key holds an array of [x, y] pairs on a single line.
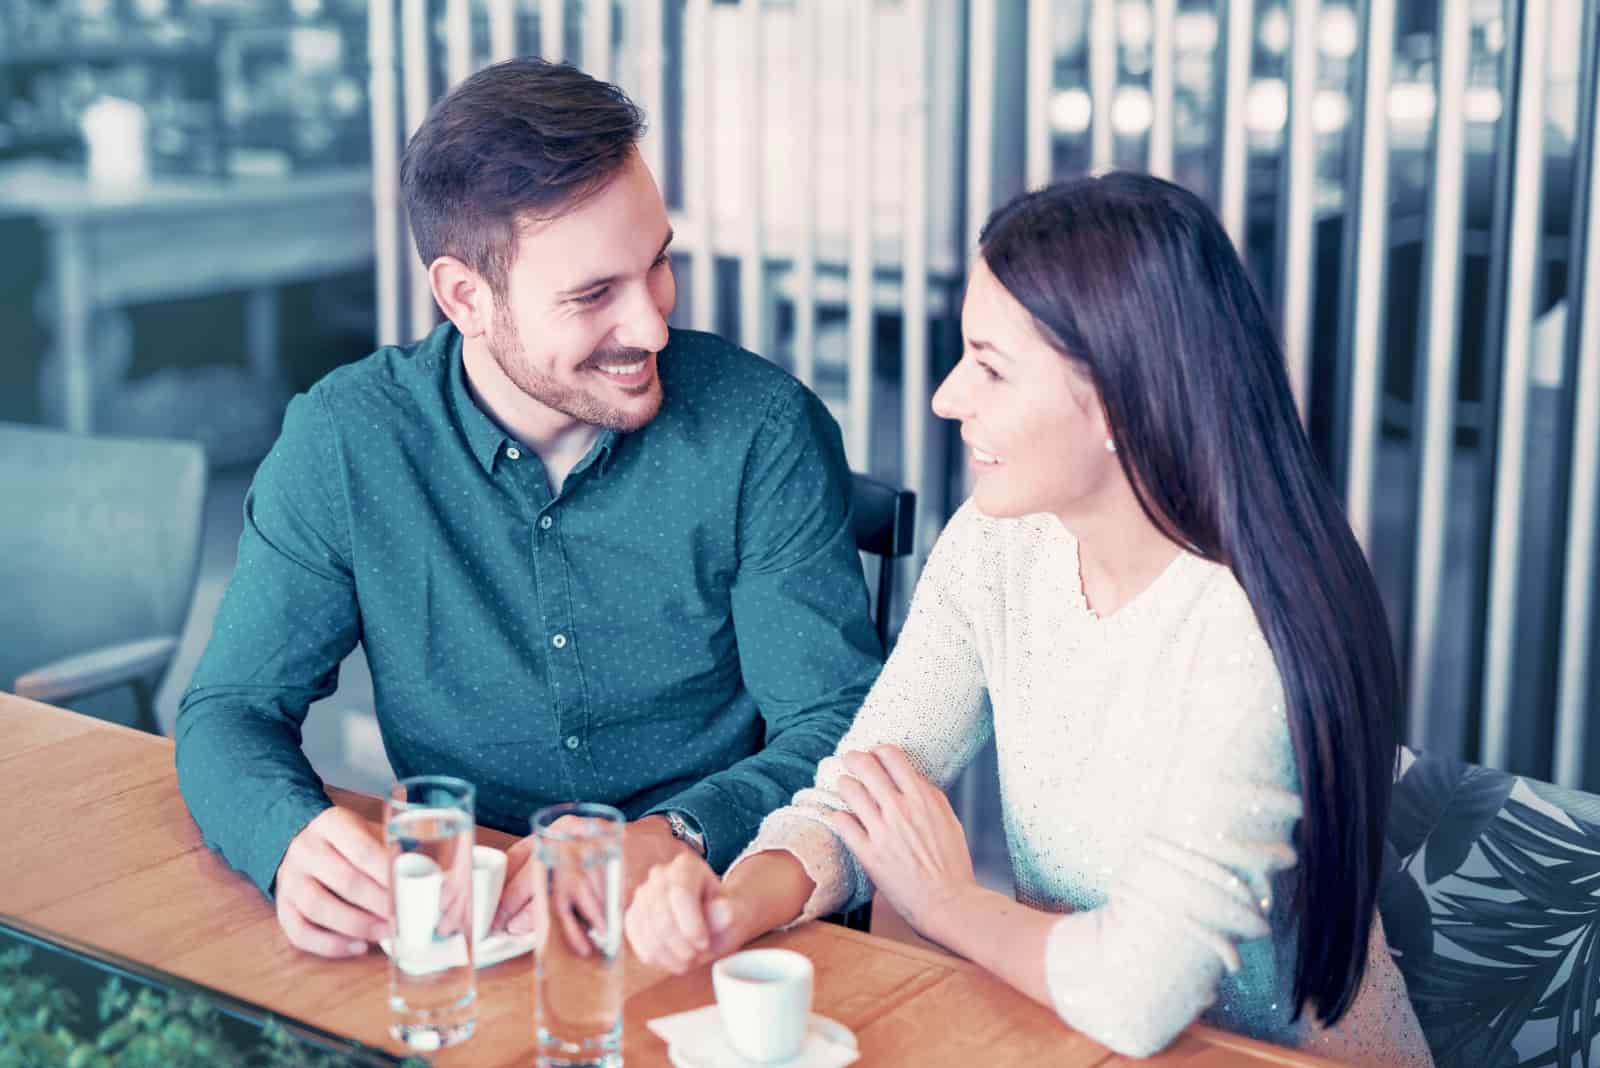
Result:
{"points": [[1147, 779]]}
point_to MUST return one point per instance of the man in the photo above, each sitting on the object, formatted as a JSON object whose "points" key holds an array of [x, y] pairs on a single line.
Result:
{"points": [[587, 557]]}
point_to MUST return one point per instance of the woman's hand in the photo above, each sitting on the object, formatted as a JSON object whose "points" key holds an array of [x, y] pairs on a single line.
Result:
{"points": [[907, 837], [681, 918]]}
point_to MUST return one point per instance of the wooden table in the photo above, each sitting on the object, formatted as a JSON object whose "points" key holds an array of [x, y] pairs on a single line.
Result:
{"points": [[183, 237], [112, 859]]}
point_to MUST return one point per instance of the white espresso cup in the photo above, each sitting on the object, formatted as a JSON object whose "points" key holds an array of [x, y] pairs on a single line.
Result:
{"points": [[765, 1000], [488, 880], [418, 888]]}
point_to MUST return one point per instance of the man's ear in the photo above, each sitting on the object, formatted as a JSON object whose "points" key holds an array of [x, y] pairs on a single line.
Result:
{"points": [[462, 295]]}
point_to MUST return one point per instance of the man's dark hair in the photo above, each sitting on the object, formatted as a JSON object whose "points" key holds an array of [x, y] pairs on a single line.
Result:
{"points": [[522, 140]]}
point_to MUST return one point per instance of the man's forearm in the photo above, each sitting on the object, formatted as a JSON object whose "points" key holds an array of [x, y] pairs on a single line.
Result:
{"points": [[248, 786]]}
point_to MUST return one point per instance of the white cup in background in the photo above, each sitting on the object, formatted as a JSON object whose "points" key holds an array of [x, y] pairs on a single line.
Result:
{"points": [[418, 886], [765, 1000], [488, 880]]}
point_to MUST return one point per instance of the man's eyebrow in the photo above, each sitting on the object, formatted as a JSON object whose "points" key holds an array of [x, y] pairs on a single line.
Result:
{"points": [[596, 283], [979, 345]]}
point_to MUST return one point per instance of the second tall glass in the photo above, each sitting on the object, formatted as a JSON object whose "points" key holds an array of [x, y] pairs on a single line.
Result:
{"points": [[578, 965]]}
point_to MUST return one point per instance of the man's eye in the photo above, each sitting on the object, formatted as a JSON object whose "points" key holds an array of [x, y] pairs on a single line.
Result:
{"points": [[661, 261], [592, 298]]}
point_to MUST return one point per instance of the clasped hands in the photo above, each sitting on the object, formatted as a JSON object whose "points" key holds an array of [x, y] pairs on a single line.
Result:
{"points": [[899, 826]]}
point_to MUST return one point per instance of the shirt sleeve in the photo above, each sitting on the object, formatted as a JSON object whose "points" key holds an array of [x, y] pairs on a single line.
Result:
{"points": [[807, 649], [287, 621], [1134, 972], [929, 702]]}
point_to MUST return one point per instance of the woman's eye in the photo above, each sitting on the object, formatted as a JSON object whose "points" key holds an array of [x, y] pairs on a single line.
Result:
{"points": [[989, 372]]}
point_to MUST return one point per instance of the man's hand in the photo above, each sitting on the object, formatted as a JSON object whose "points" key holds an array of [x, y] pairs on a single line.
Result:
{"points": [[333, 886], [645, 843], [681, 917]]}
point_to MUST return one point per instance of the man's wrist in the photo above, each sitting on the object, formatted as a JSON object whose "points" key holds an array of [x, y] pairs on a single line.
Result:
{"points": [[686, 830]]}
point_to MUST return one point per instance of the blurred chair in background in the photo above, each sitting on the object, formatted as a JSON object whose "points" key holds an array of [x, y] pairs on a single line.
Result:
{"points": [[98, 561]]}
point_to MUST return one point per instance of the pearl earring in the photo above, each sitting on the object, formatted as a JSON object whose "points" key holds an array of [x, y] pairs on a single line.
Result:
{"points": [[1111, 446]]}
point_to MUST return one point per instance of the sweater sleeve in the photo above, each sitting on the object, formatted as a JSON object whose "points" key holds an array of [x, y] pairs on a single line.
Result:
{"points": [[929, 701], [1135, 971]]}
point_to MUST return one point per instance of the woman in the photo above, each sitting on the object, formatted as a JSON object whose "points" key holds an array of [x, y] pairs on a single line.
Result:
{"points": [[1184, 651]]}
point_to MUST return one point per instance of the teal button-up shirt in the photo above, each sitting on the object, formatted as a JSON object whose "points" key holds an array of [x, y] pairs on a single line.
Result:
{"points": [[684, 626]]}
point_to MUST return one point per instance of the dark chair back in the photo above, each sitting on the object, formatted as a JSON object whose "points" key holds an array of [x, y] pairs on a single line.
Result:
{"points": [[883, 519]]}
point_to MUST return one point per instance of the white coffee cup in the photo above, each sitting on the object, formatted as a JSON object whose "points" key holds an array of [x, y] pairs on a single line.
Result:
{"points": [[418, 888], [488, 880], [765, 1000]]}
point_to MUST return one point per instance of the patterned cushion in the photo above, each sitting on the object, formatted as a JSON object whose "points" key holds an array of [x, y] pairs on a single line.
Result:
{"points": [[1491, 903]]}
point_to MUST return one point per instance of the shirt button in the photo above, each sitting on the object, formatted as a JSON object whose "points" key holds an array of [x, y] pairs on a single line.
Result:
{"points": [[572, 741], [559, 641], [513, 453], [546, 523]]}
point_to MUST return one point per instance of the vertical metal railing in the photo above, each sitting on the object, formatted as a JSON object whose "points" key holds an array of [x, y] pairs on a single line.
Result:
{"points": [[752, 259], [1576, 672], [1365, 315], [1233, 163], [862, 310], [1438, 337], [1521, 273], [1163, 111]]}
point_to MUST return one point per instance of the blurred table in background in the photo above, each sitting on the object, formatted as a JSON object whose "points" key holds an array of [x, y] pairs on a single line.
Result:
{"points": [[173, 237]]}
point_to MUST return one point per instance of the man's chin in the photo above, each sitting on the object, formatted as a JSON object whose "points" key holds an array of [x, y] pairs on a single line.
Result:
{"points": [[640, 406]]}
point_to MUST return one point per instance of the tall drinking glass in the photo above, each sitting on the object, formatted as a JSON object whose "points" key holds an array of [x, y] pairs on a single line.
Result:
{"points": [[428, 827], [578, 964]]}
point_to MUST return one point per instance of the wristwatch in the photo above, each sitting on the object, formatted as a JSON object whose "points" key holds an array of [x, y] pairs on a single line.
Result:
{"points": [[684, 829]]}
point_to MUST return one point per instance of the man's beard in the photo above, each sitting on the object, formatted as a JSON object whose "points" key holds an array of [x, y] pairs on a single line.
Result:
{"points": [[505, 345]]}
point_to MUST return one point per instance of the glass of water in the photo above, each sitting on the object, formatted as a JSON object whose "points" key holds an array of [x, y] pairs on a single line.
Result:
{"points": [[578, 962], [428, 828]]}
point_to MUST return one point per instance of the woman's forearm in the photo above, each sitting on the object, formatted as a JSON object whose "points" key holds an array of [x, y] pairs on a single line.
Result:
{"points": [[999, 935], [772, 889]]}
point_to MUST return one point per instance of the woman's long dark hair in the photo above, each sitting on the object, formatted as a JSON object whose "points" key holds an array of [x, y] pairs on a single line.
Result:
{"points": [[1135, 278]]}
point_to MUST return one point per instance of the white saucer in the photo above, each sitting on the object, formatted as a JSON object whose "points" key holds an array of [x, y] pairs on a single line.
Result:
{"points": [[498, 946], [696, 1040]]}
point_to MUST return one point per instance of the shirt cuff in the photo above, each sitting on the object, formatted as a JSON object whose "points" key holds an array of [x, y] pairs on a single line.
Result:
{"points": [[725, 829], [286, 818]]}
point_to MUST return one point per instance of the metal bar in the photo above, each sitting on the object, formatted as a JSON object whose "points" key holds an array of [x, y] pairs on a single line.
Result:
{"points": [[652, 52], [1521, 272], [458, 40], [1366, 315], [1437, 343], [553, 30], [1298, 236], [858, 390], [1102, 83], [699, 93], [752, 259], [1235, 162], [414, 44], [1163, 115], [597, 29], [914, 390], [807, 33], [1041, 80], [384, 91], [1583, 352], [502, 30], [981, 47]]}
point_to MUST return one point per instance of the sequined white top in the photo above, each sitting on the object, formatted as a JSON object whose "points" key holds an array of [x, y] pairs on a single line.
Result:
{"points": [[1147, 779]]}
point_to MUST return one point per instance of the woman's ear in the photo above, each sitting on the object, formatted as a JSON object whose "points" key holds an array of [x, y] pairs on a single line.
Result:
{"points": [[462, 295]]}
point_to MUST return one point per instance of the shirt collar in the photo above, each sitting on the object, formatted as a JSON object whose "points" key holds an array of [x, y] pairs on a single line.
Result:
{"points": [[485, 438]]}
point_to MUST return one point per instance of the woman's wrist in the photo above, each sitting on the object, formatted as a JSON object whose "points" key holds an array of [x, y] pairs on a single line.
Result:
{"points": [[771, 889], [948, 920]]}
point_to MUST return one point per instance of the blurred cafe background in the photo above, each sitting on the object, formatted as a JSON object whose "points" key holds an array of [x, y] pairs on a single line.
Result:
{"points": [[199, 216]]}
